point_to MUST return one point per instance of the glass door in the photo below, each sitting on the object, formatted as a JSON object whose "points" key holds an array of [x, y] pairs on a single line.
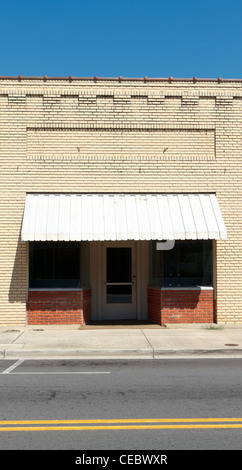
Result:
{"points": [[119, 292]]}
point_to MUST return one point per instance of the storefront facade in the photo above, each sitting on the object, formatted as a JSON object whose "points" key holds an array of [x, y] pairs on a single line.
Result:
{"points": [[120, 200]]}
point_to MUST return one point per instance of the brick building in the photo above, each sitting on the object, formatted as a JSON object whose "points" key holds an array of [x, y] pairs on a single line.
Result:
{"points": [[98, 178]]}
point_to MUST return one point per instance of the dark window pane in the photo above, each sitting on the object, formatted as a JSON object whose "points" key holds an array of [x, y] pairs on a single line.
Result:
{"points": [[188, 264], [155, 265], [119, 294], [54, 264], [66, 261], [119, 270], [119, 264], [41, 261]]}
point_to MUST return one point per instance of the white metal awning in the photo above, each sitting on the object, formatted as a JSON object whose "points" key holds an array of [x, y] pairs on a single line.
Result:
{"points": [[82, 217]]}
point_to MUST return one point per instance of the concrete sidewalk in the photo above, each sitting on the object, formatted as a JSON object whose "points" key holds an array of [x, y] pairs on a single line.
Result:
{"points": [[120, 342]]}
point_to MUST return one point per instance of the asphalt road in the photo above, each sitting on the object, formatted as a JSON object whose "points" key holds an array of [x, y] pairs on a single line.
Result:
{"points": [[148, 404]]}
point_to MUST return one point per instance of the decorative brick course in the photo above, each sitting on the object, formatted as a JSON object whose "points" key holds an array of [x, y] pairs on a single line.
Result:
{"points": [[181, 305], [59, 307]]}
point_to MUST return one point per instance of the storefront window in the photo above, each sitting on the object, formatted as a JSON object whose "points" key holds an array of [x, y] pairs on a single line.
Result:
{"points": [[188, 264], [155, 265], [58, 264], [84, 264]]}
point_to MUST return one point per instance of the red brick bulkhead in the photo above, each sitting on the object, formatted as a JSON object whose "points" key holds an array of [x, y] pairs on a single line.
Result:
{"points": [[60, 307], [180, 305]]}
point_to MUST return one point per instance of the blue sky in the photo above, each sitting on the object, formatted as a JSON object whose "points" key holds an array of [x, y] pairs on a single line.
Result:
{"points": [[112, 38]]}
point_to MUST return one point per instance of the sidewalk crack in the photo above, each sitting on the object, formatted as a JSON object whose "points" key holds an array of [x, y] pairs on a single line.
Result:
{"points": [[153, 351], [21, 333]]}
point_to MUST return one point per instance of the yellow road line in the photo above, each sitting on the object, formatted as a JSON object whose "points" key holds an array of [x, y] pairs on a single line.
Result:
{"points": [[128, 420], [119, 424], [125, 427]]}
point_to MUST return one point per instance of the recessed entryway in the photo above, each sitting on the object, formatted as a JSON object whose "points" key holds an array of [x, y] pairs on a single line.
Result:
{"points": [[119, 281]]}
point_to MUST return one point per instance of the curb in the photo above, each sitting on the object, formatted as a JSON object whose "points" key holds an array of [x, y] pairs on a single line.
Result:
{"points": [[77, 354], [198, 353], [118, 354]]}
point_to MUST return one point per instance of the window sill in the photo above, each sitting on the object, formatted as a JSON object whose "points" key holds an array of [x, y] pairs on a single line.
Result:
{"points": [[183, 288], [188, 288], [51, 289]]}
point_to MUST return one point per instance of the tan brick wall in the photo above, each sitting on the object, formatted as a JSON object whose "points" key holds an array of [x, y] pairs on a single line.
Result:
{"points": [[127, 136]]}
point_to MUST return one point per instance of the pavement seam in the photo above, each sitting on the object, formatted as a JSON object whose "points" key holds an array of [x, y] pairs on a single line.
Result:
{"points": [[21, 333], [153, 351]]}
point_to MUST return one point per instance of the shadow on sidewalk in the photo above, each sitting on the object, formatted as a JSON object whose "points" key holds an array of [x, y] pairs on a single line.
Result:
{"points": [[118, 324]]}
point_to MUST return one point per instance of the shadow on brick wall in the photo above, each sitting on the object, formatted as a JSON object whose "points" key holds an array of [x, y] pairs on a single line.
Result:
{"points": [[180, 306], [187, 306], [18, 284]]}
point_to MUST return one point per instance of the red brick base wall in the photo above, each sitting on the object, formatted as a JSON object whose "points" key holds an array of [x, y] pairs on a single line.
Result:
{"points": [[154, 305], [59, 307], [180, 305]]}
